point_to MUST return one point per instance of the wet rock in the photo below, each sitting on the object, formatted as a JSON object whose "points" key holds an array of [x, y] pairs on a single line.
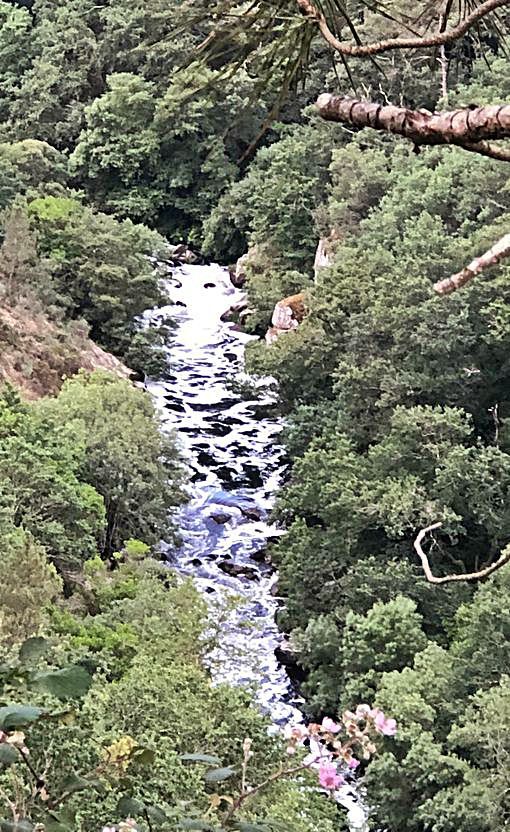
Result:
{"points": [[178, 408], [221, 519], [180, 254], [235, 312], [238, 570], [238, 273], [219, 429], [205, 458], [286, 655], [252, 513], [260, 556]]}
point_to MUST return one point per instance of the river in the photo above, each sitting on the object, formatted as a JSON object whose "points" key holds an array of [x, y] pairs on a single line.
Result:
{"points": [[232, 447]]}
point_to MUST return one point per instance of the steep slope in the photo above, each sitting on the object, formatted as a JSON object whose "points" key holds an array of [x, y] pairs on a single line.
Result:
{"points": [[37, 354]]}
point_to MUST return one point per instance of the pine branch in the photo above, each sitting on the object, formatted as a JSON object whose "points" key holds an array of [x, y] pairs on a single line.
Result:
{"points": [[465, 127], [440, 38]]}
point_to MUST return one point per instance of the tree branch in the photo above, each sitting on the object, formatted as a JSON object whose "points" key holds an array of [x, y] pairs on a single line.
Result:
{"points": [[439, 39], [468, 576], [502, 154], [466, 127], [492, 257]]}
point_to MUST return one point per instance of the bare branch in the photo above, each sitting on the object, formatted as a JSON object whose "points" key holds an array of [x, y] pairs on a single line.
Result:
{"points": [[464, 127], [502, 154], [439, 39], [492, 257], [468, 576]]}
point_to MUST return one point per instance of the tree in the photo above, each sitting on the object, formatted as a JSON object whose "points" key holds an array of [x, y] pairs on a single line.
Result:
{"points": [[99, 266], [126, 459], [29, 585], [40, 487], [271, 40]]}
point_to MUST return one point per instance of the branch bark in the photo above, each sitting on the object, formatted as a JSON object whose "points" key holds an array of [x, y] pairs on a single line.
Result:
{"points": [[467, 127], [439, 39], [468, 576], [492, 257]]}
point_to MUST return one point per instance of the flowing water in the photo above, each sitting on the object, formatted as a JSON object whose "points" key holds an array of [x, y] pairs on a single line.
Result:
{"points": [[231, 444], [232, 448]]}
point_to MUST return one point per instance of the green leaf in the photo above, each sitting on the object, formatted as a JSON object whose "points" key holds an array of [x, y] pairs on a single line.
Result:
{"points": [[77, 783], [128, 806], [156, 814], [55, 824], [143, 756], [209, 759], [17, 716], [217, 775], [252, 827], [69, 683], [195, 824], [33, 648], [63, 821], [8, 754]]}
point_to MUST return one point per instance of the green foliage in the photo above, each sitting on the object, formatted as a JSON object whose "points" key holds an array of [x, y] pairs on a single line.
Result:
{"points": [[29, 584], [40, 486], [99, 266], [29, 166], [126, 459], [398, 418]]}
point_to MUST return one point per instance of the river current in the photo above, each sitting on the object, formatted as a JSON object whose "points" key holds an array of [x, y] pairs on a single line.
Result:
{"points": [[231, 444], [232, 449]]}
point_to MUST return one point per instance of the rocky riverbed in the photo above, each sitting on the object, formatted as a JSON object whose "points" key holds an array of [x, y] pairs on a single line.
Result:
{"points": [[231, 444]]}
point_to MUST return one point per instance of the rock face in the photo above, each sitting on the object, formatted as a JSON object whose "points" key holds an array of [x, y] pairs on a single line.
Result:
{"points": [[323, 256], [288, 314]]}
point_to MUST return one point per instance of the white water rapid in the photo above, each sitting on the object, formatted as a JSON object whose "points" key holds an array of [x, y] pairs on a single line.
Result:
{"points": [[232, 448]]}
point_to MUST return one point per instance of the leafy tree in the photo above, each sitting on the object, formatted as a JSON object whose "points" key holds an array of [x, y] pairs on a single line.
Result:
{"points": [[29, 585], [99, 267], [40, 487], [127, 459]]}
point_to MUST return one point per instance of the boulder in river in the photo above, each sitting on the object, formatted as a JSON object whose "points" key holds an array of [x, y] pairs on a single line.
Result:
{"points": [[220, 518], [252, 513], [238, 272], [260, 556], [238, 570], [234, 311]]}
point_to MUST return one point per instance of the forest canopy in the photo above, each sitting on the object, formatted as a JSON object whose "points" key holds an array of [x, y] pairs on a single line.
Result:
{"points": [[380, 131]]}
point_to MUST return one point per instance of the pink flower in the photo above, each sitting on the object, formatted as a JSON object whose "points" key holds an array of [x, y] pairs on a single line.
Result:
{"points": [[353, 763], [385, 725], [330, 726], [296, 733], [362, 711], [329, 777]]}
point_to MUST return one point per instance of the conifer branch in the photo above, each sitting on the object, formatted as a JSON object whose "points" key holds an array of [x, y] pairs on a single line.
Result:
{"points": [[465, 127], [440, 38]]}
